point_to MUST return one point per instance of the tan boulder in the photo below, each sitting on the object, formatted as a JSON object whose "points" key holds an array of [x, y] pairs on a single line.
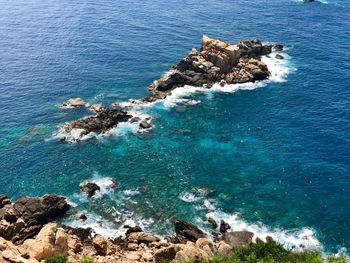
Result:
{"points": [[133, 256], [43, 246], [13, 256], [221, 54], [191, 253], [142, 237], [223, 248], [207, 246], [61, 241], [166, 253], [100, 245], [74, 245]]}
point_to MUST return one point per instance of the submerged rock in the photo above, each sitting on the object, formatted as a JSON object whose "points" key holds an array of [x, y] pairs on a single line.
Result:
{"points": [[212, 222], [279, 56], [75, 102]]}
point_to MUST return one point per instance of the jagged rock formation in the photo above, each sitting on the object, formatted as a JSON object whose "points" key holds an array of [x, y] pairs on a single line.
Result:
{"points": [[103, 121], [216, 61], [25, 218]]}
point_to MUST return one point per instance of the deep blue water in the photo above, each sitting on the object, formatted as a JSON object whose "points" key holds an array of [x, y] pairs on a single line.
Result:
{"points": [[278, 155]]}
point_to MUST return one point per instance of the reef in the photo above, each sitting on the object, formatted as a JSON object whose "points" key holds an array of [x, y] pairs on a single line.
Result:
{"points": [[216, 62]]}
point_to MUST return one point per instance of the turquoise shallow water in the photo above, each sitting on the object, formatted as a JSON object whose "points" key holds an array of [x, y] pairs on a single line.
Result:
{"points": [[278, 155]]}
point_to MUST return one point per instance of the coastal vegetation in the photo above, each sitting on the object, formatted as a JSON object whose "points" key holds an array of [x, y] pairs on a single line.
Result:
{"points": [[260, 252]]}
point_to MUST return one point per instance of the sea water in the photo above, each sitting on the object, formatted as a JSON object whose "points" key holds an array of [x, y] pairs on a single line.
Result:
{"points": [[271, 157]]}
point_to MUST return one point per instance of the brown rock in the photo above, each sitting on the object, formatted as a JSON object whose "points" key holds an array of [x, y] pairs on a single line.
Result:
{"points": [[278, 47], [188, 231], [100, 245], [212, 222], [4, 200], [89, 188], [133, 230], [132, 246], [166, 254], [224, 227], [145, 125], [26, 216]]}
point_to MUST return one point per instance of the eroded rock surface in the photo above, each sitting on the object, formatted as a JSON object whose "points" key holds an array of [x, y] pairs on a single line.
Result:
{"points": [[216, 61], [103, 121], [25, 218]]}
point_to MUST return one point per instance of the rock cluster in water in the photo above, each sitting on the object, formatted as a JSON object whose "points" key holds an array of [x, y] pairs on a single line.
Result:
{"points": [[216, 62], [102, 122], [29, 235]]}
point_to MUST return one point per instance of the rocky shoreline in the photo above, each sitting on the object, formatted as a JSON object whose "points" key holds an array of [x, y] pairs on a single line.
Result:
{"points": [[30, 233], [216, 62]]}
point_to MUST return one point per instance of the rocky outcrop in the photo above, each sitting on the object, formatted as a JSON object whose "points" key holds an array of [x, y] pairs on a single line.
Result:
{"points": [[136, 246], [216, 61], [103, 121], [25, 218], [224, 227], [187, 232], [89, 188]]}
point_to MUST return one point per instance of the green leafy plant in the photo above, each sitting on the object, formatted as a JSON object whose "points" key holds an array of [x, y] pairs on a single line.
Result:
{"points": [[57, 259]]}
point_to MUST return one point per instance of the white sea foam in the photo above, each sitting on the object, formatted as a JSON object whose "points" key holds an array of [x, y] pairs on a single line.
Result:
{"points": [[108, 228], [107, 185], [279, 68], [131, 192], [298, 239], [189, 197], [321, 1]]}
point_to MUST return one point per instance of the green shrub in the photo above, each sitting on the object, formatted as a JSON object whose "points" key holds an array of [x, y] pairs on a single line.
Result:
{"points": [[86, 260], [57, 259], [270, 252], [342, 258]]}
